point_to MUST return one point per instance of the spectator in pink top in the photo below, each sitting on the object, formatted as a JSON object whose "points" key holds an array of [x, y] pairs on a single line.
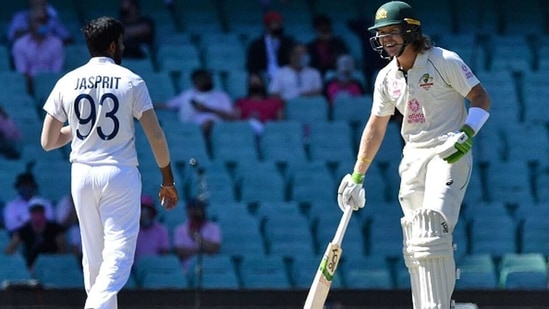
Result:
{"points": [[257, 106], [38, 51], [197, 235], [10, 135], [343, 82], [153, 237]]}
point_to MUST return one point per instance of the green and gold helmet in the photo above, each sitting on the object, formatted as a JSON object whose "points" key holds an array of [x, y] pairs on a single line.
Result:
{"points": [[397, 13]]}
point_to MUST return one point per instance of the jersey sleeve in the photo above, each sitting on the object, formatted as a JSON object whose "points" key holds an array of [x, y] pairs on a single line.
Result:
{"points": [[458, 74], [381, 104], [54, 103], [142, 99]]}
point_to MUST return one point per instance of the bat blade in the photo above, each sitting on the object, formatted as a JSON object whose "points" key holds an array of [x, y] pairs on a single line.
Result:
{"points": [[323, 278], [325, 274]]}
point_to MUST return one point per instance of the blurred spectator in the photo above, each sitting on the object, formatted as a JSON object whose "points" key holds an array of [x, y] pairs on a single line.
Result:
{"points": [[10, 136], [371, 61], [16, 211], [38, 50], [38, 235], [202, 104], [343, 82], [198, 235], [326, 47], [20, 25], [267, 53], [297, 78], [139, 31], [153, 237], [257, 106]]}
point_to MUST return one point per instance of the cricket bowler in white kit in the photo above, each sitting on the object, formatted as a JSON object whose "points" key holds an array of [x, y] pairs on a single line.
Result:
{"points": [[427, 85], [100, 101]]}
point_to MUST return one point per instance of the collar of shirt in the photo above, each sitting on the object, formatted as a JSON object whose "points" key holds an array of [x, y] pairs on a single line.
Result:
{"points": [[101, 60]]}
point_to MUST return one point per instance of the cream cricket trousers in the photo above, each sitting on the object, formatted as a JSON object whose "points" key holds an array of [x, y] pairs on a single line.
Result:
{"points": [[107, 202]]}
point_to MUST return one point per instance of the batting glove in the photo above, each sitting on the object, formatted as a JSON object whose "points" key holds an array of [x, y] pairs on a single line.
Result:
{"points": [[457, 144], [351, 192]]}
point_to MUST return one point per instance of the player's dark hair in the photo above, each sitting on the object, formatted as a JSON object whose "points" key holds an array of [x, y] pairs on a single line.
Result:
{"points": [[100, 33], [422, 43]]}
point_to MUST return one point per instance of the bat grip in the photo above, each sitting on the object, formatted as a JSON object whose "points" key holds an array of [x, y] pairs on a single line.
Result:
{"points": [[343, 223]]}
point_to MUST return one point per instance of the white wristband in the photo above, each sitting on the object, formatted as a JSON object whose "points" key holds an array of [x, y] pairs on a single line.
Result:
{"points": [[476, 118]]}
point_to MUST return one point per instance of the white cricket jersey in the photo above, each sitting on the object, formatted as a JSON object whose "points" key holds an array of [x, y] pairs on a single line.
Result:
{"points": [[430, 97], [100, 101]]}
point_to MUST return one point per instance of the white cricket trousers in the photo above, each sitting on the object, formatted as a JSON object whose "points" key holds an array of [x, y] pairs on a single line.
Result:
{"points": [[107, 202]]}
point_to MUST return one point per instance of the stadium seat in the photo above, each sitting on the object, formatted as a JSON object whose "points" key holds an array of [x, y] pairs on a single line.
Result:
{"points": [[384, 237], [186, 141], [534, 236], [13, 84], [282, 141], [526, 149], [13, 268], [476, 272], [5, 56], [165, 280], [76, 55], [236, 83], [260, 182], [509, 182], [233, 141], [286, 234], [303, 270], [210, 176], [261, 272], [43, 171], [353, 243], [307, 110], [354, 110], [510, 53], [157, 264], [160, 84], [173, 57], [331, 141], [58, 271], [43, 85], [310, 182], [370, 272], [488, 237], [241, 231], [523, 271], [213, 272]]}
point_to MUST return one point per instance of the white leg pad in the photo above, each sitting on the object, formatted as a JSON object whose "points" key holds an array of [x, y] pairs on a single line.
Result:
{"points": [[429, 256]]}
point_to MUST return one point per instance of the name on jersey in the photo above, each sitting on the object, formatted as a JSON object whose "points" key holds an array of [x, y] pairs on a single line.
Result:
{"points": [[98, 81]]}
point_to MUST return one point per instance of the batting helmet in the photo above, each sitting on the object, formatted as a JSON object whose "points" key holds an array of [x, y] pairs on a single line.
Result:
{"points": [[398, 13]]}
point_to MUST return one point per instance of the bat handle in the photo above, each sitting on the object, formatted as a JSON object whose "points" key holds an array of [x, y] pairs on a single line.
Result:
{"points": [[343, 223]]}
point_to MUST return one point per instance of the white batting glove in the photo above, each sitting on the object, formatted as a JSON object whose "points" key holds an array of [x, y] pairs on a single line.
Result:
{"points": [[351, 192], [457, 144]]}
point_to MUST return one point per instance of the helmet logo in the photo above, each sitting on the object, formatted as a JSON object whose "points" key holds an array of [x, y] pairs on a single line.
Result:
{"points": [[381, 14]]}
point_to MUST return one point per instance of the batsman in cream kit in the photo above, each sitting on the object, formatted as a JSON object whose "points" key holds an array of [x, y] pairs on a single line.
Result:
{"points": [[427, 85]]}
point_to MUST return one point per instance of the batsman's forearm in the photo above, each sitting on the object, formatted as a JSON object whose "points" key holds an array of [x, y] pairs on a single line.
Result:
{"points": [[370, 143]]}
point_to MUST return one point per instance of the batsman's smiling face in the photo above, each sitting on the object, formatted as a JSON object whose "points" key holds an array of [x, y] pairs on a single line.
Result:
{"points": [[391, 39]]}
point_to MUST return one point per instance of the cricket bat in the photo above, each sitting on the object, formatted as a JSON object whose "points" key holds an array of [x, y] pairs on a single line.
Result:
{"points": [[323, 278]]}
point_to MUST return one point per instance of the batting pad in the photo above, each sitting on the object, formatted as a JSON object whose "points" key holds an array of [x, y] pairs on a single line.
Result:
{"points": [[429, 256]]}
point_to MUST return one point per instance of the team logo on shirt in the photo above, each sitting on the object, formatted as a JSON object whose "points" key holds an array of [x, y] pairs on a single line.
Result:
{"points": [[426, 81], [466, 71], [415, 115]]}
